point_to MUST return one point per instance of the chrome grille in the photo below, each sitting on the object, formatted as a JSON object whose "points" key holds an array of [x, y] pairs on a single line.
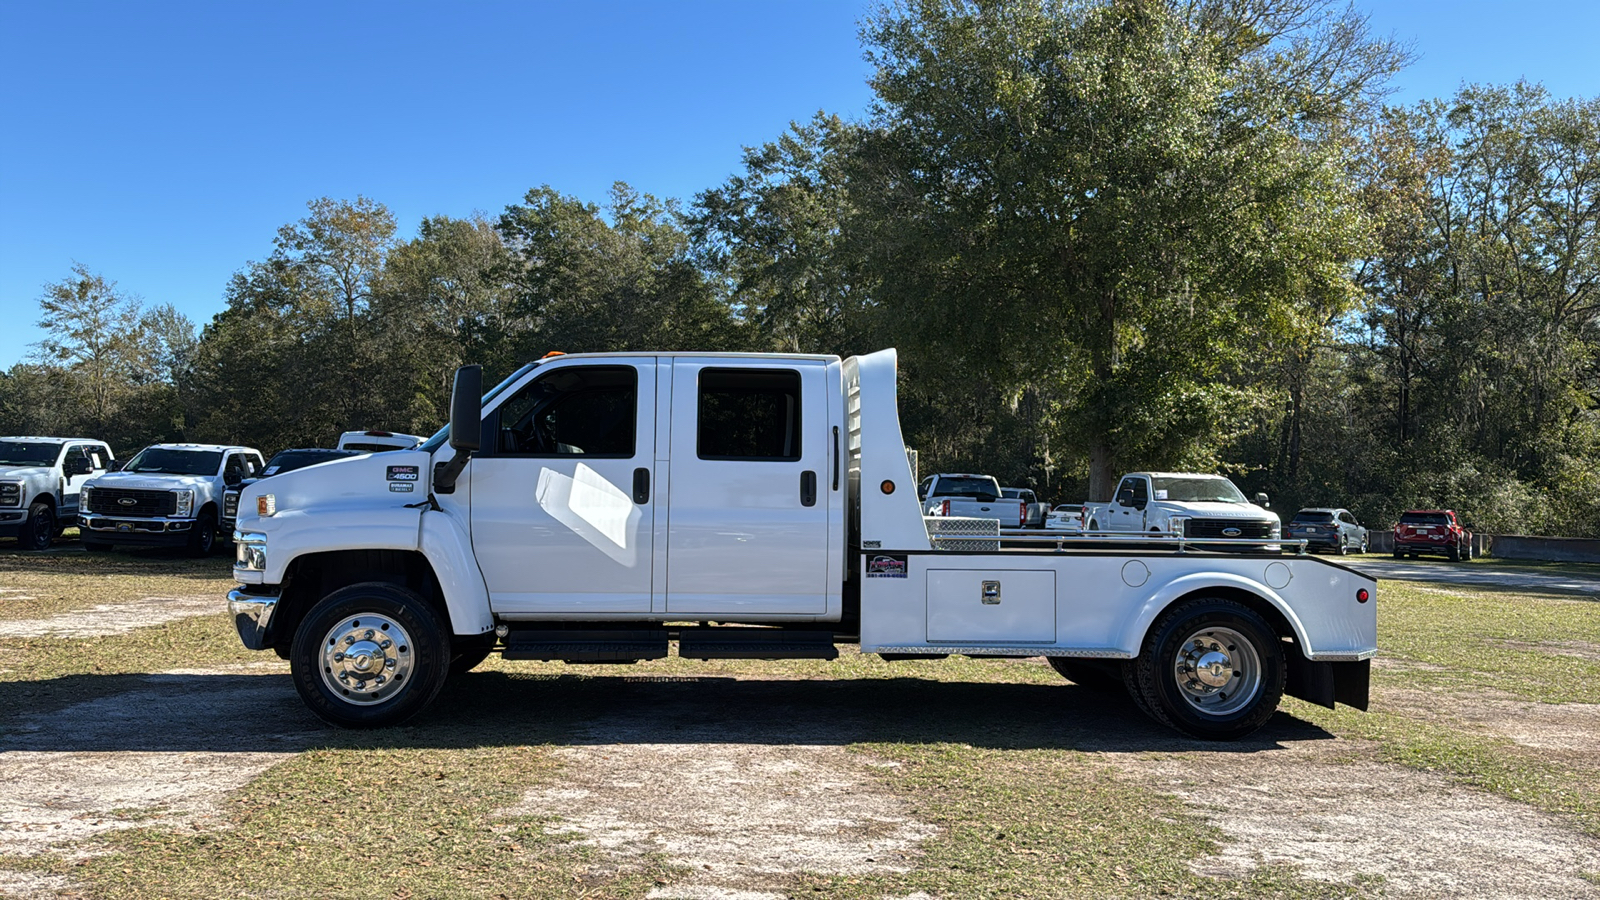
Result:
{"points": [[145, 505]]}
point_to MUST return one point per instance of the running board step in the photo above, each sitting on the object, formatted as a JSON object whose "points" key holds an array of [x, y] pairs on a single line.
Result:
{"points": [[755, 643], [597, 646]]}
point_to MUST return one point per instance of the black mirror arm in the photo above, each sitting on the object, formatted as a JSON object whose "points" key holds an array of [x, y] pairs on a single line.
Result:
{"points": [[446, 473]]}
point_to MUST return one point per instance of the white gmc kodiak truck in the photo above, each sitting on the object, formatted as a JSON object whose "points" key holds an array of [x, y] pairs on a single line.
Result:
{"points": [[600, 507], [1184, 504], [168, 495], [40, 478]]}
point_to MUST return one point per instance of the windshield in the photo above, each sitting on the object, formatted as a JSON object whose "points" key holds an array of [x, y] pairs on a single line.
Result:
{"points": [[1196, 489], [29, 453], [1424, 519], [289, 460], [167, 461], [1309, 515], [967, 486], [443, 434]]}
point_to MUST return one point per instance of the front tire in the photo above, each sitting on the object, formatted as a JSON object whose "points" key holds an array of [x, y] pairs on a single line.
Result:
{"points": [[1210, 667], [203, 536], [370, 655], [41, 528]]}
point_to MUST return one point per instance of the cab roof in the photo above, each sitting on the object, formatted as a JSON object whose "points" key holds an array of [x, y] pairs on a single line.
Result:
{"points": [[201, 447]]}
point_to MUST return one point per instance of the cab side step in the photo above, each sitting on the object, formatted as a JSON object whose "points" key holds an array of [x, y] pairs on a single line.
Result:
{"points": [[597, 646], [755, 643]]}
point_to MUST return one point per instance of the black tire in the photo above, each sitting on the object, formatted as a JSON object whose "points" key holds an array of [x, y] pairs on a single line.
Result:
{"points": [[1453, 552], [1366, 544], [1093, 525], [1399, 554], [1244, 651], [96, 546], [1093, 674], [1344, 547], [203, 536], [40, 529], [468, 660], [418, 643]]}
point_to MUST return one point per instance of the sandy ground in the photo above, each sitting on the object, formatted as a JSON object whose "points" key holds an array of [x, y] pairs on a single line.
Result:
{"points": [[745, 817], [113, 618]]}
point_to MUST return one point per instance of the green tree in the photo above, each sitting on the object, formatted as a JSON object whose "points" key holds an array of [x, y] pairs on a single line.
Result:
{"points": [[1124, 196], [96, 336]]}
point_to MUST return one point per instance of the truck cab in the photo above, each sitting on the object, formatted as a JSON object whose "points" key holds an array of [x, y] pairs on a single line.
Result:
{"points": [[611, 507]]}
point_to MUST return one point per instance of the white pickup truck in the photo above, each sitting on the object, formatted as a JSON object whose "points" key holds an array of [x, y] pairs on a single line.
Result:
{"points": [[40, 478], [168, 495], [971, 497], [606, 507], [1185, 504]]}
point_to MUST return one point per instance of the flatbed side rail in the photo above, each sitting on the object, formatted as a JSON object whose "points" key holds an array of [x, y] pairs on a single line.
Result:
{"points": [[1176, 543]]}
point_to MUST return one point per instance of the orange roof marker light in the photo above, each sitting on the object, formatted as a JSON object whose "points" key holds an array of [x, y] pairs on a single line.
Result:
{"points": [[554, 353]]}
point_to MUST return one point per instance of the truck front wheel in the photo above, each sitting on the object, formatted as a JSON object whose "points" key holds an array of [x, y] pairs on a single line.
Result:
{"points": [[1210, 667], [203, 535], [370, 655], [41, 528]]}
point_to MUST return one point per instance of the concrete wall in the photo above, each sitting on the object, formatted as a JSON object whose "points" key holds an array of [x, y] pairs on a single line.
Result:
{"points": [[1511, 546]]}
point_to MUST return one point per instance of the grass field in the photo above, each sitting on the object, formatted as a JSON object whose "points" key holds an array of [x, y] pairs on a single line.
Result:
{"points": [[165, 760]]}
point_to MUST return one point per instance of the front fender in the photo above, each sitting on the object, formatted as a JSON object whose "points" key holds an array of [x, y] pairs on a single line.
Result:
{"points": [[295, 533], [1131, 636], [446, 543]]}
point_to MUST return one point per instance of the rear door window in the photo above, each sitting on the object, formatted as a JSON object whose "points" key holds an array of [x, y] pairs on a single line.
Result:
{"points": [[749, 414]]}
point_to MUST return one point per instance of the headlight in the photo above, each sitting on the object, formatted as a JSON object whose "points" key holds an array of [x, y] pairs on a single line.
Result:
{"points": [[10, 493], [83, 500], [1277, 529], [185, 506], [250, 551]]}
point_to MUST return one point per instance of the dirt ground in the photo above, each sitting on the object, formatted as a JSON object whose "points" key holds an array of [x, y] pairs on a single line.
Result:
{"points": [[790, 795]]}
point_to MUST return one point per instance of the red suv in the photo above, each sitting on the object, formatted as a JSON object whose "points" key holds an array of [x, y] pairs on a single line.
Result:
{"points": [[1432, 531]]}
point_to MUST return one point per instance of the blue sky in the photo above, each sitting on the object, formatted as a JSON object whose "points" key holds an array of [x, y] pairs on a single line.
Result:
{"points": [[162, 145]]}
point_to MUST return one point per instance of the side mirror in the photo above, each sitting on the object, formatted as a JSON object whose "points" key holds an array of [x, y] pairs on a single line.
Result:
{"points": [[1125, 498], [79, 466], [466, 409], [115, 465], [1261, 501], [466, 427], [232, 478]]}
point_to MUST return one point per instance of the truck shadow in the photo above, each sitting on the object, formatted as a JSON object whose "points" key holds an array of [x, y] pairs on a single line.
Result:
{"points": [[262, 713]]}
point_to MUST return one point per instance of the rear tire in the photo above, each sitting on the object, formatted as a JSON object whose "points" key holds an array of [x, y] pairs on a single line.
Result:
{"points": [[40, 529], [1453, 552], [1212, 668], [1399, 554], [398, 659]]}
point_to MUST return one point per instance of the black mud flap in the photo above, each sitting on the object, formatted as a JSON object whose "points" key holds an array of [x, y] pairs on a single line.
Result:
{"points": [[1327, 683]]}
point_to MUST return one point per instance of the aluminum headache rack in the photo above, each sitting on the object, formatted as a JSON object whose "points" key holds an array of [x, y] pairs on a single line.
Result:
{"points": [[954, 533]]}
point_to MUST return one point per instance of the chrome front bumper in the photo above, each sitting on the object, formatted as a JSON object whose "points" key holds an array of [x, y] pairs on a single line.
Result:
{"points": [[252, 616]]}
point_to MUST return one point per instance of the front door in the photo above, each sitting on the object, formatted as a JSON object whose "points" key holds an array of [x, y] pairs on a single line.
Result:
{"points": [[1127, 511], [748, 523], [563, 500]]}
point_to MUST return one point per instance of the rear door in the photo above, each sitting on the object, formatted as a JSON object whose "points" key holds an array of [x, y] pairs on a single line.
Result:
{"points": [[563, 498], [748, 519]]}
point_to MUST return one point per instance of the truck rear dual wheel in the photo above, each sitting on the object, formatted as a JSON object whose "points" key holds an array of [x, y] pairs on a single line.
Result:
{"points": [[1210, 667], [370, 655]]}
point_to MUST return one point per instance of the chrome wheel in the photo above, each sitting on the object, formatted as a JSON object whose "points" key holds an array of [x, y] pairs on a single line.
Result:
{"points": [[1217, 671], [366, 658]]}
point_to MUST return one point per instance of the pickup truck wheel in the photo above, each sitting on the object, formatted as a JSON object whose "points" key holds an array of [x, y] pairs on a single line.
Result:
{"points": [[41, 528], [370, 655], [471, 659], [203, 536], [1088, 673], [1212, 668]]}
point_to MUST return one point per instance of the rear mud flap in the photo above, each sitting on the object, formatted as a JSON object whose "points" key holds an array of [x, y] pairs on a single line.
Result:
{"points": [[1327, 683]]}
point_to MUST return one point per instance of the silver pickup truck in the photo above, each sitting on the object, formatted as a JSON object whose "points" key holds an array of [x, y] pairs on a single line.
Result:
{"points": [[971, 497]]}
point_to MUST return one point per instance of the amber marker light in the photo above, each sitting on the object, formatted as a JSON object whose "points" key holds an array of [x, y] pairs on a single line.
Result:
{"points": [[888, 487]]}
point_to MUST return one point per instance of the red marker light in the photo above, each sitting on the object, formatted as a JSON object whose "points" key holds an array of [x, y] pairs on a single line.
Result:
{"points": [[1362, 596]]}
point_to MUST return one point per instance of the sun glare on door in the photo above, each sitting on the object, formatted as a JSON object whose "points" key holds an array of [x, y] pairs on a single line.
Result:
{"points": [[594, 508]]}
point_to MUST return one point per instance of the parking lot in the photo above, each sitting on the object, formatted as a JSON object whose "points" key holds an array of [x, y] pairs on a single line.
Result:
{"points": [[144, 752]]}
